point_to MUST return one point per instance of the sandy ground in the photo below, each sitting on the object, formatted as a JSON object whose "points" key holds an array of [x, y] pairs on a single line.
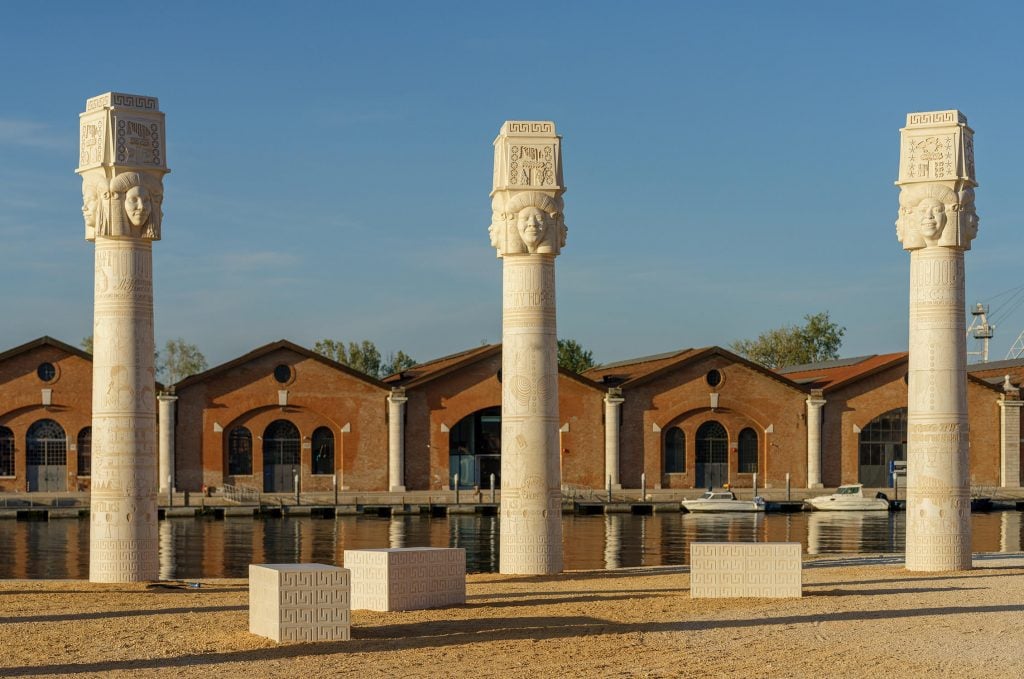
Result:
{"points": [[858, 617]]}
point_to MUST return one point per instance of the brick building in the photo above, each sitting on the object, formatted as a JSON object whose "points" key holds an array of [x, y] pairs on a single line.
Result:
{"points": [[45, 417], [685, 419]]}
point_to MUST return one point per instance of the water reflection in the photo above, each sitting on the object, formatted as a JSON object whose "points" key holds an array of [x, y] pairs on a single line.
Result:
{"points": [[194, 548]]}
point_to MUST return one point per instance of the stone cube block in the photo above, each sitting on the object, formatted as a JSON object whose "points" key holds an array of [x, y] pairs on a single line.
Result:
{"points": [[759, 569], [407, 579], [300, 602]]}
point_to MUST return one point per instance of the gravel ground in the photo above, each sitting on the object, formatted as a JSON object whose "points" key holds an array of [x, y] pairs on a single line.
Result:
{"points": [[858, 617]]}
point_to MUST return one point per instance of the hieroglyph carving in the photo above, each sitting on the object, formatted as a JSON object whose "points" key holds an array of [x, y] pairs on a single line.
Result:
{"points": [[122, 166], [937, 222], [528, 231]]}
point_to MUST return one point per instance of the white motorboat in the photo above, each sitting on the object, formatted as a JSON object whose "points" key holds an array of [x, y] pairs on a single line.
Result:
{"points": [[849, 498], [723, 501]]}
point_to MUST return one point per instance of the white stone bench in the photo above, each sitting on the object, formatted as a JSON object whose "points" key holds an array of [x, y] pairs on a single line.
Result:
{"points": [[756, 569], [300, 602], [407, 579]]}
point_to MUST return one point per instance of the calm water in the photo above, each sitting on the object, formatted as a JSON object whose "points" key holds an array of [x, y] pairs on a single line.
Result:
{"points": [[194, 548]]}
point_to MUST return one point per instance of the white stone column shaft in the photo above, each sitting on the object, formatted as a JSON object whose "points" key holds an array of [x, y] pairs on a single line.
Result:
{"points": [[937, 223], [1009, 442], [814, 405], [166, 423], [123, 534], [612, 421], [528, 232], [531, 528], [396, 440]]}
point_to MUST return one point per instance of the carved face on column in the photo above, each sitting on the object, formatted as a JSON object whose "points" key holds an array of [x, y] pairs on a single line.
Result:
{"points": [[533, 225], [928, 216], [93, 195], [138, 205], [536, 218], [968, 216], [931, 218]]}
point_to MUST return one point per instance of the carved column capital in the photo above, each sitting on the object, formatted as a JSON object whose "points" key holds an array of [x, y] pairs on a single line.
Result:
{"points": [[936, 182], [526, 203], [122, 161]]}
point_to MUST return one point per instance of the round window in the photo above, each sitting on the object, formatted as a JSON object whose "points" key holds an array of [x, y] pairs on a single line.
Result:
{"points": [[282, 373], [46, 372], [713, 378]]}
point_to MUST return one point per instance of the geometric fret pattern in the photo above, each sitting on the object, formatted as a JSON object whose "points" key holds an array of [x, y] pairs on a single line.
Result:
{"points": [[760, 569], [407, 579], [300, 602]]}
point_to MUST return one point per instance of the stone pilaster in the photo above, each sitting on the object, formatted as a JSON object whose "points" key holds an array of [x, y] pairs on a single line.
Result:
{"points": [[612, 420], [814, 405], [396, 440], [937, 223], [122, 163], [528, 232], [1009, 436], [165, 423]]}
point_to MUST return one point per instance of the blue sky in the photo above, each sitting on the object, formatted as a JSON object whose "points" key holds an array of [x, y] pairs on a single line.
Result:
{"points": [[729, 165]]}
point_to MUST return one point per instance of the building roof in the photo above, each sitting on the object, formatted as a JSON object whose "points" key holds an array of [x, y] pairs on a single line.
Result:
{"points": [[268, 348], [429, 370], [45, 340], [828, 375], [621, 372], [1009, 364], [638, 370], [421, 373]]}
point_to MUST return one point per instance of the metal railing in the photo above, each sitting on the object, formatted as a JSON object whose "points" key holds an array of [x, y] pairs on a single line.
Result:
{"points": [[240, 494]]}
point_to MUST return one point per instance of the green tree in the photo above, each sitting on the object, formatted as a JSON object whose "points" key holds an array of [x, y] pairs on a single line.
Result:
{"points": [[819, 339], [86, 344], [572, 356], [396, 363], [364, 356], [180, 359]]}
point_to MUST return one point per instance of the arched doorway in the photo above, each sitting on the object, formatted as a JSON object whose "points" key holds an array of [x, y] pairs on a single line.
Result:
{"points": [[281, 447], [474, 449], [712, 443], [747, 463], [882, 441], [46, 457]]}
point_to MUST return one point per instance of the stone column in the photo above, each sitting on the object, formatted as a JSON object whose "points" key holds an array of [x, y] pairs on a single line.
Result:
{"points": [[814, 405], [937, 223], [528, 231], [612, 419], [122, 164], [1009, 436], [165, 422], [396, 440]]}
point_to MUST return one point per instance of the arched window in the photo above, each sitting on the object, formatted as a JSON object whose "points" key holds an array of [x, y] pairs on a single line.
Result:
{"points": [[748, 451], [85, 451], [240, 452], [712, 448], [882, 441], [281, 449], [675, 451], [46, 457], [6, 452], [323, 451]]}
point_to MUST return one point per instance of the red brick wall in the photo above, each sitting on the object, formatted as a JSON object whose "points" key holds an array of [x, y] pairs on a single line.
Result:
{"points": [[681, 398], [862, 401], [448, 398], [21, 405], [319, 395]]}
